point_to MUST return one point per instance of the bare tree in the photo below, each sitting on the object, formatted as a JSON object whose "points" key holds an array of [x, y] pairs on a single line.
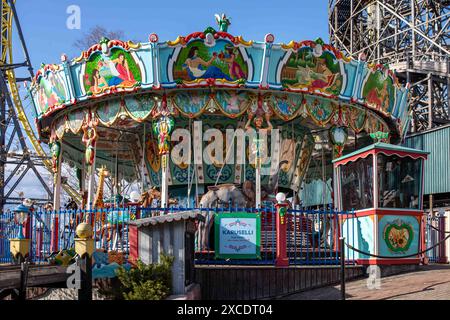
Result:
{"points": [[94, 36]]}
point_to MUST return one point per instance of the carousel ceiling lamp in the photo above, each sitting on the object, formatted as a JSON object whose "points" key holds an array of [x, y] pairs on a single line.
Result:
{"points": [[281, 197], [21, 215], [135, 196]]}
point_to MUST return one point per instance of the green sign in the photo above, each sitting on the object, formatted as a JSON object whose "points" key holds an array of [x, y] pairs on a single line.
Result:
{"points": [[238, 235]]}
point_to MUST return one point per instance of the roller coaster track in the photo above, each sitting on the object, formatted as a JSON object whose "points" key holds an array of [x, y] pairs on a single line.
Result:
{"points": [[6, 58]]}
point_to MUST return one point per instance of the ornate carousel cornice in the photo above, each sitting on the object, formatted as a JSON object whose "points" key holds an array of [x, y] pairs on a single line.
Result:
{"points": [[237, 40], [104, 45], [259, 68]]}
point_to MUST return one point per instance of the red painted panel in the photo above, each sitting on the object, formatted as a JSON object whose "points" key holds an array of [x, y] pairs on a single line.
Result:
{"points": [[134, 244], [354, 158], [54, 235]]}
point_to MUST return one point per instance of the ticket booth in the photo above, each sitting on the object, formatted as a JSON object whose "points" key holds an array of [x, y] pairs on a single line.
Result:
{"points": [[382, 186]]}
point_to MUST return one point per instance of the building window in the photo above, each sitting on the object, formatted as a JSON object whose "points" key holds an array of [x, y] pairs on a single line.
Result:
{"points": [[398, 181], [357, 184]]}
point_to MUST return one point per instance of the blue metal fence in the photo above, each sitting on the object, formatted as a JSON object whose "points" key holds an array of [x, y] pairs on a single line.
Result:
{"points": [[53, 231], [435, 233], [311, 234]]}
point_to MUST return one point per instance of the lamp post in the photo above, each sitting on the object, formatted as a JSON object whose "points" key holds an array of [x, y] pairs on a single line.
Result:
{"points": [[84, 247], [20, 246], [281, 206]]}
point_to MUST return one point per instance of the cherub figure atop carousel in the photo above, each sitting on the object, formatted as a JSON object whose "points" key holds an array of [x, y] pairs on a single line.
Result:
{"points": [[258, 117], [223, 21]]}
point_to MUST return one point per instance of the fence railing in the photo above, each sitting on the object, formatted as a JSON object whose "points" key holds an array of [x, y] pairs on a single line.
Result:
{"points": [[434, 233], [311, 234], [53, 231]]}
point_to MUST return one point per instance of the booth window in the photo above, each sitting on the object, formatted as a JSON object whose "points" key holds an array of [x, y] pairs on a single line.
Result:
{"points": [[399, 181], [357, 184]]}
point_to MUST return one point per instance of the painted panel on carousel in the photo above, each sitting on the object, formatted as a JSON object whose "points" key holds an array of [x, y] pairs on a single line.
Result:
{"points": [[51, 88], [140, 106], [275, 63], [233, 103], [356, 118], [352, 71], [222, 61], [191, 103], [60, 127], [320, 110], [289, 152], [287, 105], [255, 54], [401, 105], [379, 91], [105, 72], [399, 235], [374, 124], [360, 232], [108, 111], [215, 167], [181, 167], [313, 69], [303, 162], [152, 159], [182, 174], [144, 58], [75, 120]]}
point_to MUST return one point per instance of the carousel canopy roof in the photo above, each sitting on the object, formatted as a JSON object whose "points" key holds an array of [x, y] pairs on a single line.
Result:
{"points": [[124, 83], [175, 216], [398, 150]]}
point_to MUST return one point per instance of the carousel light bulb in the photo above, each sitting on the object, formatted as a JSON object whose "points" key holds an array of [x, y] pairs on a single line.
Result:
{"points": [[135, 196], [281, 197], [27, 202]]}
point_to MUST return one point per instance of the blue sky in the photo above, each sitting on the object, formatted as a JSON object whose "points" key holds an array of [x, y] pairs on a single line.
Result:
{"points": [[44, 21]]}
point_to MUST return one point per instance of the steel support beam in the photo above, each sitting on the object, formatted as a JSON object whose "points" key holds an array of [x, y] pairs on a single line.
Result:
{"points": [[413, 36]]}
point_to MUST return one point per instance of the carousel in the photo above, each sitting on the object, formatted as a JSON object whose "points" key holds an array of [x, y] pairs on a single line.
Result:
{"points": [[209, 118]]}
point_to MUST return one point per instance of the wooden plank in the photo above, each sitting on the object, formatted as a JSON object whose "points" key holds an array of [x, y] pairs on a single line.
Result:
{"points": [[251, 284], [265, 284], [226, 284], [245, 284], [259, 283], [322, 277], [285, 281], [273, 282], [256, 282], [309, 278], [222, 283], [314, 277], [37, 275]]}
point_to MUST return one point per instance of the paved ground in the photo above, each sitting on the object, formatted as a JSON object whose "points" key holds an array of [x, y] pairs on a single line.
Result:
{"points": [[429, 283]]}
